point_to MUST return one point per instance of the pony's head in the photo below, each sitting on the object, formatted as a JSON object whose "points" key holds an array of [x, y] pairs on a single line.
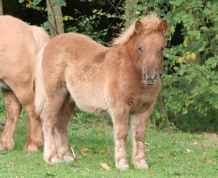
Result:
{"points": [[149, 42], [150, 32]]}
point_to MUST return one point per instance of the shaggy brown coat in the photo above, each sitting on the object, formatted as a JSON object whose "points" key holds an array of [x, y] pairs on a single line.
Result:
{"points": [[119, 81]]}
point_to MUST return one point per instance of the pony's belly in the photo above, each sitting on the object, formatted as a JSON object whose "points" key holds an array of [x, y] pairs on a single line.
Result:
{"points": [[91, 103], [87, 107], [93, 110]]}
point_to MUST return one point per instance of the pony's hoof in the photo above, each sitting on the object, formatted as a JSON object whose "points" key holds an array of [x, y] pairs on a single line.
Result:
{"points": [[7, 144], [68, 158], [52, 160], [122, 165], [55, 160], [140, 164], [32, 147]]}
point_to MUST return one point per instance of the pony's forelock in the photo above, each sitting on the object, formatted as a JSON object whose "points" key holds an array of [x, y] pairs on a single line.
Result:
{"points": [[149, 23]]}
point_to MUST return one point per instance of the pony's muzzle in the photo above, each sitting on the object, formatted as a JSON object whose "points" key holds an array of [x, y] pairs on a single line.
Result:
{"points": [[149, 75]]}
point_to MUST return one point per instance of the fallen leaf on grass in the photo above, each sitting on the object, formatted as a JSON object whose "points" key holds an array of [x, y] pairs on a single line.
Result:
{"points": [[208, 161], [196, 144], [103, 151], [105, 166], [188, 151], [161, 156], [88, 170], [84, 150], [150, 168]]}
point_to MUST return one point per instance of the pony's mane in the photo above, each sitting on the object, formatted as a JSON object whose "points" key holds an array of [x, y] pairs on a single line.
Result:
{"points": [[150, 23], [40, 36]]}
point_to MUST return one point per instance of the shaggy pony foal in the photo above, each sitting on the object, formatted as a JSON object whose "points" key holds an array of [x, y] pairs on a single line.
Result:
{"points": [[119, 81]]}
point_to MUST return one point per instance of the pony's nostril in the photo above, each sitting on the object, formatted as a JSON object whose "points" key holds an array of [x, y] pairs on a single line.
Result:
{"points": [[150, 75], [155, 77]]}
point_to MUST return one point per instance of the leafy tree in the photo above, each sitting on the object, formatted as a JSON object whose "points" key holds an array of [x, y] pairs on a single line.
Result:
{"points": [[53, 7], [190, 82], [55, 16], [1, 8]]}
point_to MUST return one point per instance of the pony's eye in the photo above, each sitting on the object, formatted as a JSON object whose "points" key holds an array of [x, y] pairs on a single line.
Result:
{"points": [[162, 48], [140, 48]]}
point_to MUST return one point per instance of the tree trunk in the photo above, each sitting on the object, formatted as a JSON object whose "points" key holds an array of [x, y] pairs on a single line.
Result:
{"points": [[130, 12], [55, 18], [1, 8]]}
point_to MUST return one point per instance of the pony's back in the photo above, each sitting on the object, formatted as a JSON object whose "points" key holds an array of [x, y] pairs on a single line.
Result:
{"points": [[19, 45], [23, 36]]}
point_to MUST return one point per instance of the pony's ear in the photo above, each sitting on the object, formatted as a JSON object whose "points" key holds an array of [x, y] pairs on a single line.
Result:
{"points": [[138, 27], [163, 26]]}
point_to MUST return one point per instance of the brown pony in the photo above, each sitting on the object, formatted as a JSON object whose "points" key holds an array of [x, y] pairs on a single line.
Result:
{"points": [[19, 45], [119, 81]]}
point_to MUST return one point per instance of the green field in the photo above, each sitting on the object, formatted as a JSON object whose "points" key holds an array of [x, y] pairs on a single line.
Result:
{"points": [[168, 155]]}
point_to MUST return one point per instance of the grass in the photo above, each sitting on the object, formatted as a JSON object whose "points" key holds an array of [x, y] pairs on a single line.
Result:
{"points": [[168, 155]]}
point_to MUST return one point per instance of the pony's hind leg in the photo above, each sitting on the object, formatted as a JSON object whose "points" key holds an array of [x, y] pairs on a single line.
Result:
{"points": [[120, 124], [139, 124], [25, 95], [50, 119], [13, 109], [61, 130], [35, 135]]}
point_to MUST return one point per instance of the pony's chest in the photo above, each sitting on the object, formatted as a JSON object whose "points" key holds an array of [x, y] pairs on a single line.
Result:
{"points": [[142, 100]]}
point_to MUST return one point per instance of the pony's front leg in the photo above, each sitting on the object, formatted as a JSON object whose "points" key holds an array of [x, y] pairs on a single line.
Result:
{"points": [[120, 123], [139, 124]]}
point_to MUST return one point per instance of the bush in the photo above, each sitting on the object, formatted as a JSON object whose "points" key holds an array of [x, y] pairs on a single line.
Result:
{"points": [[190, 80]]}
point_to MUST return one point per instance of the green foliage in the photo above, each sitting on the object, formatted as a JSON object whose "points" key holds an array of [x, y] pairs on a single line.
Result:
{"points": [[88, 25], [190, 87], [80, 117], [134, 9], [2, 106]]}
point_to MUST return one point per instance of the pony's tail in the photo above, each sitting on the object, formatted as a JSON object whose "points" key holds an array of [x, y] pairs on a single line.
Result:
{"points": [[39, 85], [40, 36], [41, 39]]}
